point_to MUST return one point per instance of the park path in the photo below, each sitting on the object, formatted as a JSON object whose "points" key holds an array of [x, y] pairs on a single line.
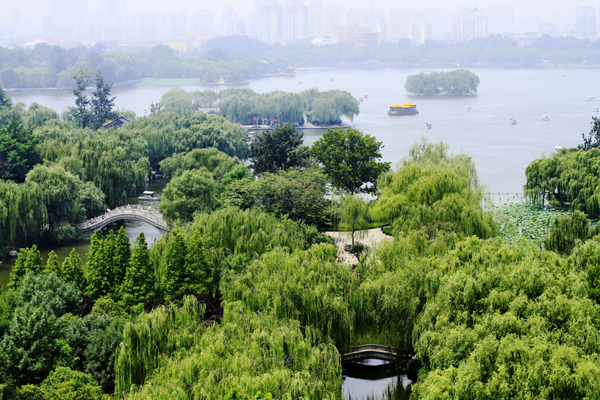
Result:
{"points": [[372, 237]]}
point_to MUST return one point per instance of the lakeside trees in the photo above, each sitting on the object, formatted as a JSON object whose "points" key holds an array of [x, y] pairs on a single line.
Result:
{"points": [[282, 148], [457, 82]]}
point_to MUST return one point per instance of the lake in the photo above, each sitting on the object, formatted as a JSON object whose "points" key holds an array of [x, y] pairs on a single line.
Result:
{"points": [[501, 152]]}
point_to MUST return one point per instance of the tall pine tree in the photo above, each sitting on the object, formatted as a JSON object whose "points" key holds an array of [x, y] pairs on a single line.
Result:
{"points": [[174, 276], [98, 268], [140, 278], [52, 264], [120, 258], [80, 113], [102, 103], [29, 260], [72, 270]]}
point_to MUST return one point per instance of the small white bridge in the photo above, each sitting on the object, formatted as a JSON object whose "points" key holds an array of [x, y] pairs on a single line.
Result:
{"points": [[132, 212], [366, 351]]}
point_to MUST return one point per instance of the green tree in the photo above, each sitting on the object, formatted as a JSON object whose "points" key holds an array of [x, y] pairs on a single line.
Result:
{"points": [[566, 231], [66, 384], [80, 113], [198, 276], [72, 270], [192, 191], [176, 276], [52, 264], [282, 148], [139, 282], [353, 214], [101, 352], [121, 257], [32, 344], [31, 392], [18, 152], [593, 139], [350, 159], [102, 104], [98, 268], [50, 292], [28, 261]]}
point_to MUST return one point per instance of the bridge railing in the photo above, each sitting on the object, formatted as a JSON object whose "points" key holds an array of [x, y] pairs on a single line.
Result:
{"points": [[131, 209]]}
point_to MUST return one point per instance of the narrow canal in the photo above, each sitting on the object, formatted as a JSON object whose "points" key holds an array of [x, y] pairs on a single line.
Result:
{"points": [[82, 246], [373, 379]]}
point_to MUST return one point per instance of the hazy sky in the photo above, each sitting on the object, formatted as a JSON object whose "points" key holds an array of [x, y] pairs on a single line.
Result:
{"points": [[545, 9]]}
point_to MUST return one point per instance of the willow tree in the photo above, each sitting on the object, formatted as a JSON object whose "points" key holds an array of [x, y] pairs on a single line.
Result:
{"points": [[353, 215], [566, 231], [433, 192], [567, 179]]}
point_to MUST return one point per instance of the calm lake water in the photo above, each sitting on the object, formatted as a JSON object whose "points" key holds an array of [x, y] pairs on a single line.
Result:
{"points": [[373, 379]]}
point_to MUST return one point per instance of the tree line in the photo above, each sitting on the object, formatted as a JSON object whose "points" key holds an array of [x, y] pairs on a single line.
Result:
{"points": [[246, 107], [47, 66], [457, 82]]}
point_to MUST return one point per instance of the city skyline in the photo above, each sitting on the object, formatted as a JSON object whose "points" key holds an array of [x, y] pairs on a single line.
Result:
{"points": [[290, 20]]}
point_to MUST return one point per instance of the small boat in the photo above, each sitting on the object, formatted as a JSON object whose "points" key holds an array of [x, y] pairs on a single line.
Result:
{"points": [[590, 98], [300, 82], [360, 99], [149, 196], [564, 74], [595, 109], [366, 97], [545, 118], [331, 79], [513, 121], [469, 109], [427, 125]]}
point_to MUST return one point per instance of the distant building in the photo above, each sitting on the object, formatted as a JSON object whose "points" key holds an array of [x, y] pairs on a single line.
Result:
{"points": [[469, 24], [289, 71], [271, 21], [117, 123], [548, 28], [295, 15], [587, 23], [570, 30], [202, 24], [322, 20], [419, 30], [399, 22]]}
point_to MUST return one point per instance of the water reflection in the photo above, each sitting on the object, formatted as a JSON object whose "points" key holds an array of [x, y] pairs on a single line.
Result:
{"points": [[373, 379]]}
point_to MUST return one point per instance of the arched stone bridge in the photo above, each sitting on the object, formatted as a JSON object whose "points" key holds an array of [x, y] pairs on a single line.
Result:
{"points": [[367, 351], [133, 212]]}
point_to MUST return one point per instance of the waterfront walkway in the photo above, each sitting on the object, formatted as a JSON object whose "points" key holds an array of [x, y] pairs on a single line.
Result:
{"points": [[373, 236], [131, 212]]}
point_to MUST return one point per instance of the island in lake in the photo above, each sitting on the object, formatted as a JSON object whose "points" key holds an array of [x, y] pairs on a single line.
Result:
{"points": [[459, 82]]}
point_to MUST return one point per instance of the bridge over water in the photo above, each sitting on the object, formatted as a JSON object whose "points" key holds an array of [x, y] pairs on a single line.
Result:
{"points": [[366, 351], [132, 212]]}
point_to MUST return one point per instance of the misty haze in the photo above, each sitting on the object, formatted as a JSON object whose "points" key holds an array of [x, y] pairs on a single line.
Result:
{"points": [[299, 199]]}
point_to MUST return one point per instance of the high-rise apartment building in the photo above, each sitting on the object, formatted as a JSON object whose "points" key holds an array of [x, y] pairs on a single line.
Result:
{"points": [[295, 15], [321, 21], [586, 22], [399, 22], [202, 24], [271, 21], [419, 30], [469, 24]]}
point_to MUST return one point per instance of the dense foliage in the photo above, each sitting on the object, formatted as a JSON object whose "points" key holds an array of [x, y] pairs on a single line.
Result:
{"points": [[281, 148], [350, 159], [455, 82], [567, 179]]}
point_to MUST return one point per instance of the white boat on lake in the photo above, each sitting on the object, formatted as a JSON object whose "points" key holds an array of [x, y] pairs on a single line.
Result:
{"points": [[591, 98], [427, 125], [469, 109], [545, 118], [149, 196], [595, 109], [513, 121]]}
